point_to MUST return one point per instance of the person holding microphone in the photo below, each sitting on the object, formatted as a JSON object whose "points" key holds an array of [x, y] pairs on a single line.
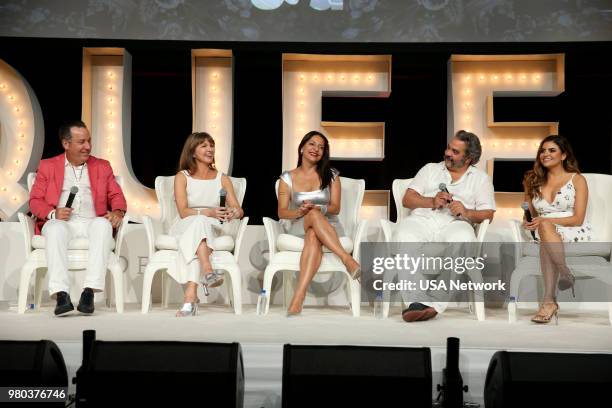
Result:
{"points": [[75, 195], [445, 200], [206, 205]]}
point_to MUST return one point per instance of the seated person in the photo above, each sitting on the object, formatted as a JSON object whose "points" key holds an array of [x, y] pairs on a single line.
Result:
{"points": [[196, 189], [87, 217], [558, 194], [446, 216], [309, 197]]}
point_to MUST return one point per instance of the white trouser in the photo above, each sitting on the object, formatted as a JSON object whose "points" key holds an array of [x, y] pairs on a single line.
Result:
{"points": [[434, 228], [58, 234]]}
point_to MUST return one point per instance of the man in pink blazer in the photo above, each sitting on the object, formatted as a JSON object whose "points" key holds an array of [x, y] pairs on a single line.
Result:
{"points": [[97, 207]]}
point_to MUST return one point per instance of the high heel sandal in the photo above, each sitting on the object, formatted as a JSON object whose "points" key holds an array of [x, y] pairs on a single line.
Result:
{"points": [[211, 280], [188, 309], [356, 274], [566, 281], [543, 318]]}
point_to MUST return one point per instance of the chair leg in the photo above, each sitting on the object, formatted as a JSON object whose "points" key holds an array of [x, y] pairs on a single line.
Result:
{"points": [[267, 283], [24, 286], [117, 272], [386, 307], [235, 292], [288, 288], [147, 282], [476, 277], [355, 296], [165, 290], [38, 287], [228, 287], [108, 288]]}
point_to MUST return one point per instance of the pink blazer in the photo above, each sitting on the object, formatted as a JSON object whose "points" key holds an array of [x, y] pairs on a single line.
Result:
{"points": [[47, 188]]}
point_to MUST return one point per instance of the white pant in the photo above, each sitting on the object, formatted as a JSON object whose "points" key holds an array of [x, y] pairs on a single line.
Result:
{"points": [[58, 234], [435, 228]]}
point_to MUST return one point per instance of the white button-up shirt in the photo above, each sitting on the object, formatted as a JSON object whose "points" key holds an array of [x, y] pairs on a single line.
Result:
{"points": [[83, 206], [474, 189]]}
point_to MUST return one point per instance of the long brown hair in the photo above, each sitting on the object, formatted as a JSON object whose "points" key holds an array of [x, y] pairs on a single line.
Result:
{"points": [[536, 178], [323, 167], [187, 161]]}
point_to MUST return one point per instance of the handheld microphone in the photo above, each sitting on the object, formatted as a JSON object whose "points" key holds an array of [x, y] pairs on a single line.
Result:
{"points": [[73, 192], [443, 188], [525, 207], [222, 196]]}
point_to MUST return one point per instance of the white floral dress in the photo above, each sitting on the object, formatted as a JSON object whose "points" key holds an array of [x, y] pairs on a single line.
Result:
{"points": [[561, 207]]}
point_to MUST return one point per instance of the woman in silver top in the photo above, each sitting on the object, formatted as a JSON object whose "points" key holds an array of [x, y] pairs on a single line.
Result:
{"points": [[309, 197]]}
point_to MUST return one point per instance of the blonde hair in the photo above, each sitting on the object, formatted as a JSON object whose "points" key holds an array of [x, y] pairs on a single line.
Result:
{"points": [[187, 160]]}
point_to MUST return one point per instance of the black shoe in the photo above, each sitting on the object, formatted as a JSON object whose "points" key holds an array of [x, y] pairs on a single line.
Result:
{"points": [[86, 303], [63, 305], [418, 312]]}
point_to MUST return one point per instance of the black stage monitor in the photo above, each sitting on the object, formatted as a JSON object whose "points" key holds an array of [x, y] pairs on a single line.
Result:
{"points": [[548, 380], [318, 376], [32, 364], [170, 373]]}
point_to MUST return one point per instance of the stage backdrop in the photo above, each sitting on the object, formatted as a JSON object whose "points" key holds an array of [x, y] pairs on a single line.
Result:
{"points": [[399, 101]]}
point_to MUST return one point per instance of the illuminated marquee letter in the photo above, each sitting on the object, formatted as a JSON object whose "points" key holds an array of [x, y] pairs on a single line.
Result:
{"points": [[212, 101], [21, 139], [107, 90], [475, 80]]}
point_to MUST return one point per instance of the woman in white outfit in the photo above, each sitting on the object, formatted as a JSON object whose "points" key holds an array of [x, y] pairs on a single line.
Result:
{"points": [[197, 189], [558, 194]]}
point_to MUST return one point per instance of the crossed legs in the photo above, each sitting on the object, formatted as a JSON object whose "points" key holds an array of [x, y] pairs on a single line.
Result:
{"points": [[552, 261], [318, 231], [552, 258], [191, 288]]}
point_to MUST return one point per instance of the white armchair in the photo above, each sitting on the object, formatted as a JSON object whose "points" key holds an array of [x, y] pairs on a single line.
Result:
{"points": [[77, 259], [163, 248], [285, 249], [587, 261], [399, 188]]}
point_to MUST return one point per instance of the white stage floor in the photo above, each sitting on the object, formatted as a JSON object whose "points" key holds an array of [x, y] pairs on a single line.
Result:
{"points": [[262, 337]]}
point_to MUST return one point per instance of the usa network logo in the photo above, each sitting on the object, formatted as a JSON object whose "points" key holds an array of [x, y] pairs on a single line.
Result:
{"points": [[320, 5]]}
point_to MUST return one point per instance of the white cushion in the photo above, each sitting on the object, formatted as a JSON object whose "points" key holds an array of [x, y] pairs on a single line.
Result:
{"points": [[40, 242], [579, 249], [221, 243], [287, 242]]}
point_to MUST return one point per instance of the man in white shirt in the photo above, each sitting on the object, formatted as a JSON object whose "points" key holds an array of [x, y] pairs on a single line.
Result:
{"points": [[97, 207], [446, 216]]}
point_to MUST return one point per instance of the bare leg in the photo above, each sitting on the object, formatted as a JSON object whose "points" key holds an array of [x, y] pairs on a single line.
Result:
{"points": [[328, 237], [203, 253], [309, 265], [191, 292], [191, 288], [552, 258]]}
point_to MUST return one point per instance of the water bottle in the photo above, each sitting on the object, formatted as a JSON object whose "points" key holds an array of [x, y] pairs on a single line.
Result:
{"points": [[378, 306], [31, 296], [512, 309], [262, 303]]}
